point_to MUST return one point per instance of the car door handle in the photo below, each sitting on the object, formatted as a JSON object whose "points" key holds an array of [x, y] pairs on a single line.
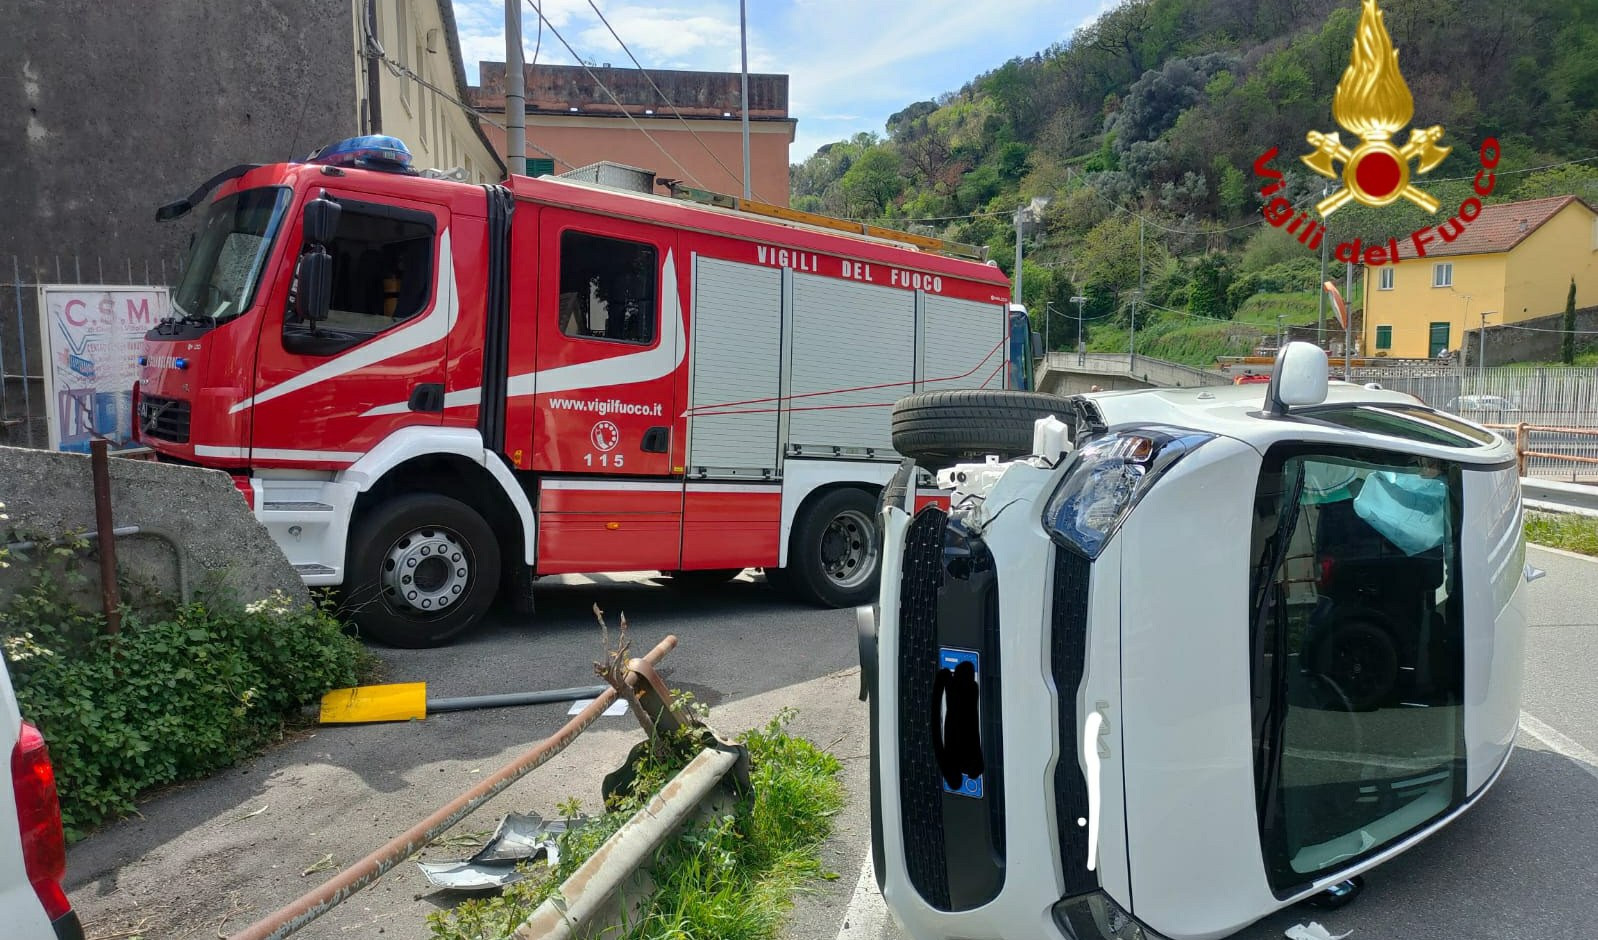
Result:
{"points": [[427, 397], [656, 440]]}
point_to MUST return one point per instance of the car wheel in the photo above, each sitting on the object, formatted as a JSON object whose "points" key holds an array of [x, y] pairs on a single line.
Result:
{"points": [[1360, 658], [939, 429], [423, 568], [835, 559]]}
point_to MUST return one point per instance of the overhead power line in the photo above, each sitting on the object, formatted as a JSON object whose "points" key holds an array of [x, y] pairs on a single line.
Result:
{"points": [[650, 79], [608, 93]]}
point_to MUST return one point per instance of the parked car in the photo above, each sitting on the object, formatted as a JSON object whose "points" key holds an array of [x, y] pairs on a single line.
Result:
{"points": [[1184, 657], [33, 851], [1493, 409]]}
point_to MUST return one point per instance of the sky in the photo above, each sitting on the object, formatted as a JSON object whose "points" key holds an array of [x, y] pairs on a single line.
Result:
{"points": [[850, 63]]}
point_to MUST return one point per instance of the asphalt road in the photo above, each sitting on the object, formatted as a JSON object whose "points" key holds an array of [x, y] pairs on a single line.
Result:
{"points": [[1522, 865]]}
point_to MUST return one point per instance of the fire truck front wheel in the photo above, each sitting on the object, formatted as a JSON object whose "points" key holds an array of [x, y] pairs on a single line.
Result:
{"points": [[423, 567], [834, 559]]}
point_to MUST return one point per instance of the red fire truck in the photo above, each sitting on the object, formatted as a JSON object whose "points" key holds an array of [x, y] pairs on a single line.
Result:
{"points": [[432, 393]]}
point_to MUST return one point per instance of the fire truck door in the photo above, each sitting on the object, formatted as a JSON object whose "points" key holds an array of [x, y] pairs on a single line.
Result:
{"points": [[611, 348], [327, 392]]}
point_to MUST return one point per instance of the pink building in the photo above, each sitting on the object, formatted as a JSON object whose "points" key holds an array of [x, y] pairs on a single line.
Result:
{"points": [[577, 123]]}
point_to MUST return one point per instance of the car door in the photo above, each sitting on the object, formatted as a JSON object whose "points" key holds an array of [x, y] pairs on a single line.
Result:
{"points": [[327, 392]]}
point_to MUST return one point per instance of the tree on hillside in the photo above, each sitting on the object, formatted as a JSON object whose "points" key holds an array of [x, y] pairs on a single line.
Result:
{"points": [[1567, 347]]}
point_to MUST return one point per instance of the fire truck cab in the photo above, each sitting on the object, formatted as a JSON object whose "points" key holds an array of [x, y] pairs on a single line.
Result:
{"points": [[432, 392]]}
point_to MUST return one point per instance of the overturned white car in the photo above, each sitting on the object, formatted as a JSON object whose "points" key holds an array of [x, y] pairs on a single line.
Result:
{"points": [[1200, 655]]}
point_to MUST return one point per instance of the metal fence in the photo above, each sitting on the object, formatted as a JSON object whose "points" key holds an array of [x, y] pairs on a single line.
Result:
{"points": [[22, 365], [1549, 399]]}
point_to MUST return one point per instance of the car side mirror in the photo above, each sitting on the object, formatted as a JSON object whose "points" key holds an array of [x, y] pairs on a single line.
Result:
{"points": [[321, 220], [1300, 378], [313, 279]]}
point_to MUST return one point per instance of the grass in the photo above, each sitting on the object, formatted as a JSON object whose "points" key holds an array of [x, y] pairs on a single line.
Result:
{"points": [[1180, 339], [731, 878], [1299, 308], [1570, 532]]}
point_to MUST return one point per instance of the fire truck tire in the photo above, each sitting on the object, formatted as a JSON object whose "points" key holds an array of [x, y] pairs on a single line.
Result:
{"points": [[835, 558], [940, 429], [423, 568]]}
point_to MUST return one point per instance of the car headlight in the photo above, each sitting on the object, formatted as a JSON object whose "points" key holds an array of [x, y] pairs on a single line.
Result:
{"points": [[1106, 477], [1097, 917]]}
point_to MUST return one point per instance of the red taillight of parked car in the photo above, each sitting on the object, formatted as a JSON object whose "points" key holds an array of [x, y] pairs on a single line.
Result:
{"points": [[44, 845]]}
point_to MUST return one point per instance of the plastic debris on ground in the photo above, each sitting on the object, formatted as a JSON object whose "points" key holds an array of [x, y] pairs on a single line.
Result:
{"points": [[1313, 931], [519, 838], [618, 707]]}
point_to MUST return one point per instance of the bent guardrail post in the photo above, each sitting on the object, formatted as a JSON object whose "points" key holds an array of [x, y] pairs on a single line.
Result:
{"points": [[586, 895], [318, 901]]}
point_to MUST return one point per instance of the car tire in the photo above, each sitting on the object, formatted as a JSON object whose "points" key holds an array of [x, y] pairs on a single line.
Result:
{"points": [[422, 569], [1358, 655], [702, 578], [835, 556], [940, 429]]}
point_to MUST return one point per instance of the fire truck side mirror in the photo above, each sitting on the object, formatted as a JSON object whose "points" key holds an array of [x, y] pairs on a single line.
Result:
{"points": [[313, 277], [321, 220]]}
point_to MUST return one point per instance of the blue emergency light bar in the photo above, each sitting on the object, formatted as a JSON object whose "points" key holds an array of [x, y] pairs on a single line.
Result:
{"points": [[369, 152]]}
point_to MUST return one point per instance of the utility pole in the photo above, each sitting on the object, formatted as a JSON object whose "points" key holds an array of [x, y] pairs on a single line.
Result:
{"points": [[1131, 360], [374, 92], [1481, 363], [1081, 344], [1320, 320], [1018, 216], [1348, 326], [515, 91], [743, 41]]}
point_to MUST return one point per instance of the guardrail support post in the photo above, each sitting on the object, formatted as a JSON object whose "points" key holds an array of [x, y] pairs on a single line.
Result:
{"points": [[1520, 448]]}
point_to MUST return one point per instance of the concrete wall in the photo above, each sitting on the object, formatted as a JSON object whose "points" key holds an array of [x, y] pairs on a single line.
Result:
{"points": [[110, 110], [219, 544], [1506, 346]]}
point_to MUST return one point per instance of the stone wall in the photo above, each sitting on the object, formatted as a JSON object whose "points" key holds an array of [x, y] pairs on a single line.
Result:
{"points": [[1507, 345], [198, 533]]}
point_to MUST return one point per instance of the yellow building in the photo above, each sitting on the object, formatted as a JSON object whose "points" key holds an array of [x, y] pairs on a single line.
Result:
{"points": [[1513, 263], [419, 48]]}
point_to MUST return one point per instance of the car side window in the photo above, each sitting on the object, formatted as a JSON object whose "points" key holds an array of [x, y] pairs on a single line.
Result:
{"points": [[382, 276], [607, 288]]}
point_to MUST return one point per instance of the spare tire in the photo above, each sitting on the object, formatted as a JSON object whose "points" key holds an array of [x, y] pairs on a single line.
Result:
{"points": [[940, 429]]}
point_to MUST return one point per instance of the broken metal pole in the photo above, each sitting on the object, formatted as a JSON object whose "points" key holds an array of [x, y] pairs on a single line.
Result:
{"points": [[588, 892], [318, 901], [110, 600]]}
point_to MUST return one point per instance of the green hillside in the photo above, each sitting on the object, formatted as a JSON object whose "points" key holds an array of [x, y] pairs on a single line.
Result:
{"points": [[1142, 132]]}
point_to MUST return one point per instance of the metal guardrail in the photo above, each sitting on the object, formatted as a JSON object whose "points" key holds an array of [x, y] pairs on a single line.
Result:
{"points": [[1580, 445], [634, 680], [1555, 496]]}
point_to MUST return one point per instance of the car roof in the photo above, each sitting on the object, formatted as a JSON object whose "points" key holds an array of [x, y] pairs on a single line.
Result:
{"points": [[1237, 411]]}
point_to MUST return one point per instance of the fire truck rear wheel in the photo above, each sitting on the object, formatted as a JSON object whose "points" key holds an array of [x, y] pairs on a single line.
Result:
{"points": [[835, 558], [940, 429], [423, 567]]}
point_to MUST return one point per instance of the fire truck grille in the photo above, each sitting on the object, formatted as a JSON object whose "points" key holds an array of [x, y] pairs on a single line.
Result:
{"points": [[1068, 653], [166, 419], [920, 786]]}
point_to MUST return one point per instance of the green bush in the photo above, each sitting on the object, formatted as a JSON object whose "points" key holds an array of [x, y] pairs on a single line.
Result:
{"points": [[730, 878], [178, 694]]}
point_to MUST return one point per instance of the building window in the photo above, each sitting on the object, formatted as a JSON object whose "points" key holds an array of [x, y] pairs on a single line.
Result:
{"points": [[1443, 274], [402, 25], [1384, 337], [1385, 278], [1438, 342], [607, 288]]}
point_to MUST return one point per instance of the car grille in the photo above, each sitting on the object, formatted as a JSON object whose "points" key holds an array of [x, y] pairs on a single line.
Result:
{"points": [[165, 419], [920, 788], [1068, 643]]}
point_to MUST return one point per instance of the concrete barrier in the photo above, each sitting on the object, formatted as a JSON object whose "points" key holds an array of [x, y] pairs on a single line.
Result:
{"points": [[196, 533]]}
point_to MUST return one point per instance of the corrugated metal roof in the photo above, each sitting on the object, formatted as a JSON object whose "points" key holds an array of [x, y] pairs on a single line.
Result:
{"points": [[1498, 229]]}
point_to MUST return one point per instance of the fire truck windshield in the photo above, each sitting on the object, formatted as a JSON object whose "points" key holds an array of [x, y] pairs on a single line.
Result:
{"points": [[228, 255]]}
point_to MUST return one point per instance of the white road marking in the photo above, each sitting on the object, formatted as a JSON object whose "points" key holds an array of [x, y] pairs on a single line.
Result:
{"points": [[1557, 742], [866, 917]]}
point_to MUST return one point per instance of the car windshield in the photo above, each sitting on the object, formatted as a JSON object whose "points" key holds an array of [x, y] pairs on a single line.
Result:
{"points": [[225, 264]]}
